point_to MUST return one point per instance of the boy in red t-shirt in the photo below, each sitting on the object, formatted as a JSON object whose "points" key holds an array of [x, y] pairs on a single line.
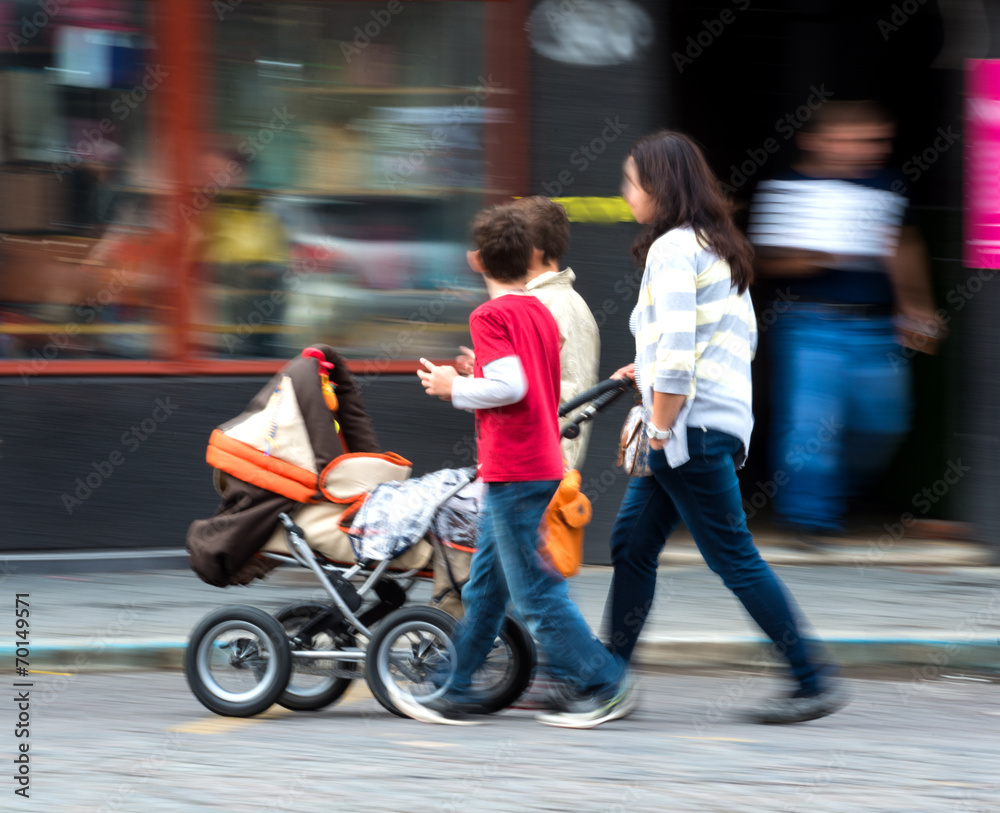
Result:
{"points": [[515, 394]]}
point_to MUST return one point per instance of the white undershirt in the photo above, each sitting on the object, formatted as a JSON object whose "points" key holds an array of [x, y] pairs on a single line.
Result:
{"points": [[503, 383]]}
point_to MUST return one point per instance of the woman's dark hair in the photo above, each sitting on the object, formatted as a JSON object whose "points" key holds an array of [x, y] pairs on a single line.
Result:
{"points": [[673, 171]]}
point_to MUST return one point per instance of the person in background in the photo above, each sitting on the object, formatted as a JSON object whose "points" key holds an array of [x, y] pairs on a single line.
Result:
{"points": [[695, 336], [580, 348], [831, 235], [515, 394]]}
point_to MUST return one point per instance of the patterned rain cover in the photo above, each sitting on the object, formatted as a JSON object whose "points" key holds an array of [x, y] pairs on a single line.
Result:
{"points": [[396, 515]]}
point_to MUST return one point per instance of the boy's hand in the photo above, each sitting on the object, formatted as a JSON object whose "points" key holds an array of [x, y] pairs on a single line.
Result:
{"points": [[465, 361], [437, 380]]}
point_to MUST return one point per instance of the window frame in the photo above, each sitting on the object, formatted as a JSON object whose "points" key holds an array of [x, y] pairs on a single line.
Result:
{"points": [[175, 117]]}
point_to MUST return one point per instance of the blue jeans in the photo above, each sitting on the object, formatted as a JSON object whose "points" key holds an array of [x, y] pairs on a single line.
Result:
{"points": [[841, 406], [507, 568], [704, 493]]}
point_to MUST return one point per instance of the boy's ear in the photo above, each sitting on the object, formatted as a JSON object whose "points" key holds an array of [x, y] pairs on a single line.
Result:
{"points": [[474, 261], [537, 256]]}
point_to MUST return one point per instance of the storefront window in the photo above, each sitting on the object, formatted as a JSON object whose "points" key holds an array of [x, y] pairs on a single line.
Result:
{"points": [[346, 160], [82, 258], [210, 186]]}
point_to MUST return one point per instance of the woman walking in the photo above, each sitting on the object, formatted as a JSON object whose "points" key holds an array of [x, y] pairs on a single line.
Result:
{"points": [[695, 335]]}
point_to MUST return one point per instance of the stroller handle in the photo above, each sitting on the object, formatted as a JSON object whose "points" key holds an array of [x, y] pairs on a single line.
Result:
{"points": [[608, 385], [608, 394]]}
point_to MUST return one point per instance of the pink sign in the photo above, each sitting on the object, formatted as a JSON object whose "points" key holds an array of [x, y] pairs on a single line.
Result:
{"points": [[982, 164]]}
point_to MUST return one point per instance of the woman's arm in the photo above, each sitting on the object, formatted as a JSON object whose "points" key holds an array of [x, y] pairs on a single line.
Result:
{"points": [[666, 407]]}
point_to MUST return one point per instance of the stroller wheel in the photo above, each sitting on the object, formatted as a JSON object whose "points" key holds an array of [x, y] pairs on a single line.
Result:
{"points": [[237, 661], [508, 668], [314, 684], [406, 649]]}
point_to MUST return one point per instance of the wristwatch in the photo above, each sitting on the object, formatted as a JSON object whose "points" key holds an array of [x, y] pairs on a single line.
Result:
{"points": [[657, 434]]}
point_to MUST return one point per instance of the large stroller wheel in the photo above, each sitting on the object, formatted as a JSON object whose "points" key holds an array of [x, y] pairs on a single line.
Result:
{"points": [[314, 684], [405, 651], [237, 661], [507, 672]]}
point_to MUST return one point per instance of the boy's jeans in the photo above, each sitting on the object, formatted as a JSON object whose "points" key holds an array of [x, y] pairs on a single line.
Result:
{"points": [[704, 493], [507, 567], [841, 407]]}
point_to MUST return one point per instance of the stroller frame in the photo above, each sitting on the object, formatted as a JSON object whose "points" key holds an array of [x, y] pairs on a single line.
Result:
{"points": [[270, 649]]}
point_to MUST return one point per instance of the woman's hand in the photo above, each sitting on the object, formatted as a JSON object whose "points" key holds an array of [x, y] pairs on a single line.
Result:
{"points": [[628, 371], [465, 361], [437, 380], [656, 445]]}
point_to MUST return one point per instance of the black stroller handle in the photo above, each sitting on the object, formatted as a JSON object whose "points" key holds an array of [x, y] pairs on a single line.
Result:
{"points": [[608, 385], [607, 395]]}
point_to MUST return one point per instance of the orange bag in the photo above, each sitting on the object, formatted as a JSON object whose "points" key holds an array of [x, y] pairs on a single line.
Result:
{"points": [[562, 526]]}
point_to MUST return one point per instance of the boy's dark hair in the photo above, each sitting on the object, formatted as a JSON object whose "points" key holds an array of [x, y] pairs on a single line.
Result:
{"points": [[503, 237], [549, 226]]}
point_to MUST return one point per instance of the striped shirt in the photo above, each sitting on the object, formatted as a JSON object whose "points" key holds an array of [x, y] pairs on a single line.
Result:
{"points": [[695, 335]]}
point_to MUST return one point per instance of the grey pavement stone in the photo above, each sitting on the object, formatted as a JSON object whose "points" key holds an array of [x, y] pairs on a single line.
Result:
{"points": [[140, 742]]}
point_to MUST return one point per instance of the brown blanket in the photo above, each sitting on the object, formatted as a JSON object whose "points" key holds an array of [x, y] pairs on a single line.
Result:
{"points": [[222, 548]]}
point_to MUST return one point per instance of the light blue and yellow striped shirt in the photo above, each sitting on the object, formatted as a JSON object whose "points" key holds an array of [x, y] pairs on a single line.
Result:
{"points": [[695, 335]]}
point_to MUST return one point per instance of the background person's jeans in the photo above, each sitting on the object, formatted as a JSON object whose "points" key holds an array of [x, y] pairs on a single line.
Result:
{"points": [[507, 567], [704, 493], [841, 406]]}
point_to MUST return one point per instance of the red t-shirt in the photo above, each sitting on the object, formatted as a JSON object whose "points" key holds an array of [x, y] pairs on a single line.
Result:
{"points": [[519, 441]]}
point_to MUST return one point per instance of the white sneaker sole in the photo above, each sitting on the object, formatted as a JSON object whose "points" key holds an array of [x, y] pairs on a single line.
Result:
{"points": [[567, 721], [419, 712]]}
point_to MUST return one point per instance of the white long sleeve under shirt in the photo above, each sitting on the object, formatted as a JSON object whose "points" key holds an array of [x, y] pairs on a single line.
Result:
{"points": [[503, 383]]}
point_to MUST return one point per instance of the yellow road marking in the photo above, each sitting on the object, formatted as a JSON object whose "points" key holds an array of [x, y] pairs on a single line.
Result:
{"points": [[40, 672], [219, 725]]}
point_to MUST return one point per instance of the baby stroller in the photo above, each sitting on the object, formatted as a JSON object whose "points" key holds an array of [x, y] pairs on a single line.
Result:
{"points": [[298, 470], [240, 660]]}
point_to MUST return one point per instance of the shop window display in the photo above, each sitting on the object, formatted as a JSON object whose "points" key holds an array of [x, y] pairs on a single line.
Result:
{"points": [[81, 254], [351, 141], [320, 188]]}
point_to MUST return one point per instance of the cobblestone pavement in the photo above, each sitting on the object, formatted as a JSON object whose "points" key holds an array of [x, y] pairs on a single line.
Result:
{"points": [[933, 603], [140, 742]]}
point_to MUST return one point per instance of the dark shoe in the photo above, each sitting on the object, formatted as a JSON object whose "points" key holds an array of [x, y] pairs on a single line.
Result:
{"points": [[590, 712], [795, 709]]}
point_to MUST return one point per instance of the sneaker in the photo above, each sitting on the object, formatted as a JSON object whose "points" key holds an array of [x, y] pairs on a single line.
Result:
{"points": [[796, 709], [546, 694], [436, 712], [590, 712]]}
